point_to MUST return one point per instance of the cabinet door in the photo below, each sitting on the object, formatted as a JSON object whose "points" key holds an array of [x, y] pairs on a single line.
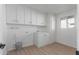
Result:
{"points": [[11, 13], [28, 16], [40, 19], [34, 18], [11, 37], [28, 39], [25, 36], [20, 15]]}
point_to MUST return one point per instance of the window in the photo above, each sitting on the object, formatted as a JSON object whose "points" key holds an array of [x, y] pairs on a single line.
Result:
{"points": [[71, 22], [68, 22], [63, 24]]}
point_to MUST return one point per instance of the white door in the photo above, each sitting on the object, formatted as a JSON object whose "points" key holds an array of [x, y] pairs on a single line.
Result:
{"points": [[28, 16], [20, 15], [11, 13]]}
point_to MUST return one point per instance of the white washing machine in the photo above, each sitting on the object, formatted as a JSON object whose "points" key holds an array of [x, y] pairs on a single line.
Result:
{"points": [[41, 39]]}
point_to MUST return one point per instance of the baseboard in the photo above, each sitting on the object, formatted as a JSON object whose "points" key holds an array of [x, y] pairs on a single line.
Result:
{"points": [[66, 44], [11, 49], [24, 45], [77, 52]]}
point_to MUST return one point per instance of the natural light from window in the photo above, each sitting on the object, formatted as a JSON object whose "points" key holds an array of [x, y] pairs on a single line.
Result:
{"points": [[68, 23], [63, 24], [71, 22]]}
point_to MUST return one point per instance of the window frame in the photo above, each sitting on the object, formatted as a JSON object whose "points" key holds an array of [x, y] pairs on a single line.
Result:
{"points": [[65, 24], [66, 18]]}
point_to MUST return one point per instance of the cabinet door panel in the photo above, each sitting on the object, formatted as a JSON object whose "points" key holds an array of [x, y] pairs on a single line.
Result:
{"points": [[20, 15], [28, 16], [11, 13], [34, 18], [40, 19], [11, 37]]}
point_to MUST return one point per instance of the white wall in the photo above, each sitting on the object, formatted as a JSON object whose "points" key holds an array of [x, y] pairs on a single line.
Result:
{"points": [[77, 21], [51, 27], [66, 36], [3, 28]]}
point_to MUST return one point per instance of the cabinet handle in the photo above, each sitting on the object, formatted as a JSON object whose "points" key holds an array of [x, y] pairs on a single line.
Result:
{"points": [[26, 32]]}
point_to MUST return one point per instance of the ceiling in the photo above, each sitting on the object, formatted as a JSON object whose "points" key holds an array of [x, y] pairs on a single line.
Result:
{"points": [[52, 8]]}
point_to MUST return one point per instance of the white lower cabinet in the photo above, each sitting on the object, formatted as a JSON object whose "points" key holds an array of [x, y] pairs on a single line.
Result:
{"points": [[11, 38], [25, 37]]}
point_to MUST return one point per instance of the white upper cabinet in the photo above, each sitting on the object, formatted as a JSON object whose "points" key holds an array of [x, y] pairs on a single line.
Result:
{"points": [[20, 15], [43, 19], [17, 14], [28, 14], [11, 13], [34, 18], [40, 19]]}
